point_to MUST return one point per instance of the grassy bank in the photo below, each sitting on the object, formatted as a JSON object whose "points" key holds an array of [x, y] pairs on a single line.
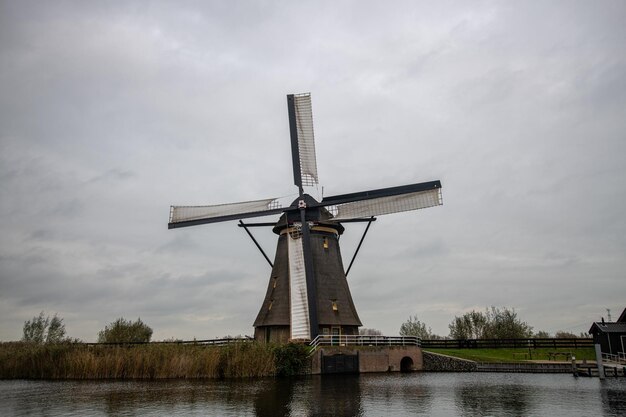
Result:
{"points": [[513, 355], [150, 361]]}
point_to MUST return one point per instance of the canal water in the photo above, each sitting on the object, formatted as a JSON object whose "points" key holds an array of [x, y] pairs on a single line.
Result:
{"points": [[417, 394]]}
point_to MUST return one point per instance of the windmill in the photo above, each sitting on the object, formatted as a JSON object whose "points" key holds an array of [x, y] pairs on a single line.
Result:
{"points": [[308, 292]]}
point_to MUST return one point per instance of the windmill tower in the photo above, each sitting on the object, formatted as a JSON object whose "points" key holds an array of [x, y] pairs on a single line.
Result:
{"points": [[308, 292]]}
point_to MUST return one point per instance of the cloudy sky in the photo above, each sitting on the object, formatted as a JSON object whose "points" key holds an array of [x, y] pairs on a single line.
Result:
{"points": [[112, 111]]}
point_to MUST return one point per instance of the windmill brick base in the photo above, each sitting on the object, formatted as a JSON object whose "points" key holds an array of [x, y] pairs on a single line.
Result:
{"points": [[336, 313]]}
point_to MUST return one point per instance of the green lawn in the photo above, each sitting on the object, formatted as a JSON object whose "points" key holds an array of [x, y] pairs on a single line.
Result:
{"points": [[507, 355]]}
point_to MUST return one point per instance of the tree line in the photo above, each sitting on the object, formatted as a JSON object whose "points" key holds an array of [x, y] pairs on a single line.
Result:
{"points": [[493, 323], [43, 329]]}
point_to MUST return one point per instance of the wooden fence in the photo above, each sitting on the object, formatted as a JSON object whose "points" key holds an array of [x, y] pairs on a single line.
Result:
{"points": [[552, 343], [208, 342]]}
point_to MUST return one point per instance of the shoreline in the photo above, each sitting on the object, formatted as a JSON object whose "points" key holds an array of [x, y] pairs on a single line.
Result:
{"points": [[165, 361]]}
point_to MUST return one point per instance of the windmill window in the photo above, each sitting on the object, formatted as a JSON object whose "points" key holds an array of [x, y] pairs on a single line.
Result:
{"points": [[270, 306], [335, 308], [325, 243], [275, 282]]}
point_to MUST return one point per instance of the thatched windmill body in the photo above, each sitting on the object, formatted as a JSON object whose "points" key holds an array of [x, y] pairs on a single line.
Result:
{"points": [[308, 293]]}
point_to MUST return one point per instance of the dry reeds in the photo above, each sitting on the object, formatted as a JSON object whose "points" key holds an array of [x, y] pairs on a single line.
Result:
{"points": [[149, 361]]}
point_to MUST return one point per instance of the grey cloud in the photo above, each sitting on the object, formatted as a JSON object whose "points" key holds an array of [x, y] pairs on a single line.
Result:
{"points": [[113, 175], [112, 112]]}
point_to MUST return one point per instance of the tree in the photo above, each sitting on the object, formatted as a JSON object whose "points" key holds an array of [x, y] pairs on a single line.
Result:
{"points": [[414, 327], [291, 359], [43, 329], [370, 332], [504, 324], [124, 331], [561, 334], [541, 334], [495, 323], [469, 326]]}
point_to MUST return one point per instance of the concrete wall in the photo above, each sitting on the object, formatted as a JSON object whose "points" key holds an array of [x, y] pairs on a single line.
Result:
{"points": [[535, 368], [372, 358]]}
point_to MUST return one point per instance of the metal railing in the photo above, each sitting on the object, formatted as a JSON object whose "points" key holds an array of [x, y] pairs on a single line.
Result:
{"points": [[619, 358], [364, 340]]}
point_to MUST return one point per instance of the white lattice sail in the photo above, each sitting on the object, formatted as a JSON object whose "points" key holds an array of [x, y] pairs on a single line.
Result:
{"points": [[186, 213], [306, 139], [387, 205]]}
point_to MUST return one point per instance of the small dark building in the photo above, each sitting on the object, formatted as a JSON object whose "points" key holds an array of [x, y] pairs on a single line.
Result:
{"points": [[610, 335]]}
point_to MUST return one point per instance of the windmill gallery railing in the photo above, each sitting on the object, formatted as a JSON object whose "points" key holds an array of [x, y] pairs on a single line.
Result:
{"points": [[364, 340]]}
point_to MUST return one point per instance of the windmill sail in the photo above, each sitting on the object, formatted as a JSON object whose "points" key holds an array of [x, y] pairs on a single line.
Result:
{"points": [[384, 201], [182, 216], [387, 205], [302, 139], [299, 308]]}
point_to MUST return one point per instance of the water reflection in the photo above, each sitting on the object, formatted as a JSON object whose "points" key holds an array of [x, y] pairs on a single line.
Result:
{"points": [[273, 399], [424, 394], [477, 399], [334, 396], [326, 396], [404, 394], [614, 398]]}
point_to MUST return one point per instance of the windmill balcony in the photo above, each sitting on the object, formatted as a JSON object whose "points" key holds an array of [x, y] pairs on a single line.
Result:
{"points": [[365, 340]]}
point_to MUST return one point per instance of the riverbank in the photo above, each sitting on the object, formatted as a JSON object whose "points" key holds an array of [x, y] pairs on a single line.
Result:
{"points": [[485, 361], [149, 361], [245, 359], [517, 355]]}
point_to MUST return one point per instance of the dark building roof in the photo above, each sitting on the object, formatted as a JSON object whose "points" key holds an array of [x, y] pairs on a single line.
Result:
{"points": [[608, 327], [618, 326]]}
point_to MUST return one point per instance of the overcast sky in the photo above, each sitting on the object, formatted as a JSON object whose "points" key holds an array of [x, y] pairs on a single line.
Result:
{"points": [[110, 112]]}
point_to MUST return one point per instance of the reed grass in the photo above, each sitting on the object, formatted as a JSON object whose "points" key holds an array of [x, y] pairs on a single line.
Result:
{"points": [[20, 360]]}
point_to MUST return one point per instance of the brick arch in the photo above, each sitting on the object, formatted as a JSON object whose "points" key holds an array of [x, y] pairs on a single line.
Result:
{"points": [[407, 364]]}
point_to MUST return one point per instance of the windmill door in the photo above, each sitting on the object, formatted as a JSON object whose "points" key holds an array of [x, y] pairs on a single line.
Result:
{"points": [[336, 335], [340, 364]]}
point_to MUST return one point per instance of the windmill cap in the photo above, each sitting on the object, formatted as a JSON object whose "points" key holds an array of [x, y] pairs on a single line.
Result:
{"points": [[313, 213]]}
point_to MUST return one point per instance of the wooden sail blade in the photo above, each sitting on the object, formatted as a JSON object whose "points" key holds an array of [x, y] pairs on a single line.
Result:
{"points": [[183, 216], [302, 139], [384, 201]]}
